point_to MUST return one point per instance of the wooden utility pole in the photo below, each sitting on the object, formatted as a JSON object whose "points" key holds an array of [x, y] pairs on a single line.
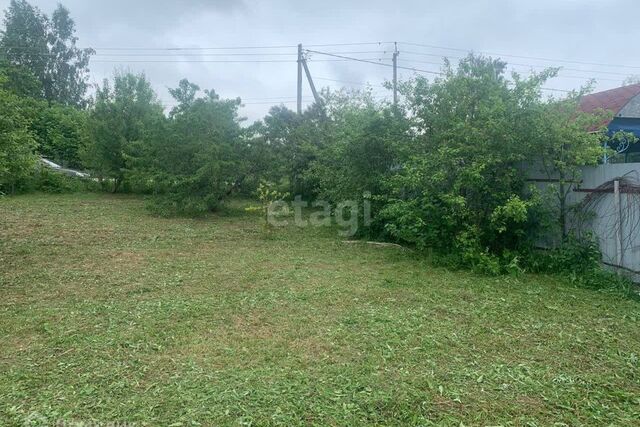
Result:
{"points": [[395, 75], [311, 84], [300, 59]]}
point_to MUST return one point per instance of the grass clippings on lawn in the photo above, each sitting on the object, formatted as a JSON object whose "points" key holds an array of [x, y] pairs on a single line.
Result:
{"points": [[108, 314]]}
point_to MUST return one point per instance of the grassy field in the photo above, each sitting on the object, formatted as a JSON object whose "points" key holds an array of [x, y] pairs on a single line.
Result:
{"points": [[108, 314]]}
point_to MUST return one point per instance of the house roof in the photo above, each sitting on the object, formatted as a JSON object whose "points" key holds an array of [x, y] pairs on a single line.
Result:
{"points": [[614, 100]]}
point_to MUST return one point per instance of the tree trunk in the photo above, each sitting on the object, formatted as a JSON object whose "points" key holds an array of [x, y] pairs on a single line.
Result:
{"points": [[117, 184], [563, 210]]}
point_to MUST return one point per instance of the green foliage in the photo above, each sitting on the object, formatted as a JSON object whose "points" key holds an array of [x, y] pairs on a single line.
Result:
{"points": [[20, 80], [461, 186], [42, 75], [194, 159], [580, 260], [48, 181], [362, 151], [446, 169], [574, 256], [45, 48], [62, 133], [17, 143], [291, 144], [564, 140], [460, 189], [367, 140], [122, 117], [274, 146], [267, 194]]}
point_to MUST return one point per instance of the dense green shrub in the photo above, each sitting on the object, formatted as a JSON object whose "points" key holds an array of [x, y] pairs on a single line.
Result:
{"points": [[62, 134], [575, 255], [125, 113], [196, 158], [17, 143], [282, 148], [580, 260], [48, 181], [460, 187], [366, 149]]}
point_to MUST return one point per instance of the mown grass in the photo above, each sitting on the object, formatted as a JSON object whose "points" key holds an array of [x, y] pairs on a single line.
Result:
{"points": [[108, 314]]}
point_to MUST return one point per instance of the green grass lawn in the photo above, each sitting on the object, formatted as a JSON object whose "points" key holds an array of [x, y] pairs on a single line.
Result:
{"points": [[108, 314]]}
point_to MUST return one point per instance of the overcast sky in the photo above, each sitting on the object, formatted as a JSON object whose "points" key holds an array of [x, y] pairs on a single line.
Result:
{"points": [[588, 31]]}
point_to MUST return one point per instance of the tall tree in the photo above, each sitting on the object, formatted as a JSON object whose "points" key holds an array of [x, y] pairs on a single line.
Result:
{"points": [[122, 116], [17, 142], [46, 47], [197, 159]]}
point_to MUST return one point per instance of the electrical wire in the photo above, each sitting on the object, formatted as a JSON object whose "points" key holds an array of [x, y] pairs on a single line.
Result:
{"points": [[378, 43], [598, 78], [182, 49], [340, 56], [275, 101], [521, 65], [221, 61], [181, 55], [371, 62], [522, 56], [128, 48], [340, 81]]}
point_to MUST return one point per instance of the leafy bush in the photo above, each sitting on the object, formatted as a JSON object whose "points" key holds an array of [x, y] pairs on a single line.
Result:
{"points": [[48, 181], [458, 186], [62, 134], [194, 159], [574, 256], [17, 143], [124, 114], [580, 261]]}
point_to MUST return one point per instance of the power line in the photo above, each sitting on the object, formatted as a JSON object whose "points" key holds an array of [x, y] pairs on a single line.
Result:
{"points": [[583, 78], [274, 101], [129, 48], [221, 61], [350, 44], [180, 55], [556, 90], [169, 61], [342, 81], [378, 43], [177, 53], [372, 62], [195, 48], [242, 47], [523, 56], [519, 65]]}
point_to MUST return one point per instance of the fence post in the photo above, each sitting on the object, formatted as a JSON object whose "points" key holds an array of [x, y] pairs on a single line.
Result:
{"points": [[617, 204]]}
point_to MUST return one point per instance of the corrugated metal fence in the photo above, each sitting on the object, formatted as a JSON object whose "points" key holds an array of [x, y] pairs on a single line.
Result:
{"points": [[607, 203]]}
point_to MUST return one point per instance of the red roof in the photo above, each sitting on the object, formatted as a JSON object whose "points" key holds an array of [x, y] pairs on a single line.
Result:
{"points": [[609, 100]]}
